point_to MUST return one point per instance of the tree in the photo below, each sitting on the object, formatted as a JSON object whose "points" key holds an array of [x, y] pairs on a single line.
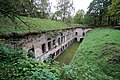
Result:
{"points": [[14, 9], [115, 7], [88, 20], [64, 9], [98, 10], [43, 8], [78, 18], [114, 11]]}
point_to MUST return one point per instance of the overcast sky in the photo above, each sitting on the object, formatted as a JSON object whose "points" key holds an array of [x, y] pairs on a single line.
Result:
{"points": [[78, 4]]}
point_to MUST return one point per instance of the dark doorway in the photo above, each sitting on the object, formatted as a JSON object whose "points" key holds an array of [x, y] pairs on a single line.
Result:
{"points": [[76, 33], [66, 45], [75, 39], [57, 52], [53, 42], [48, 38], [64, 38], [52, 56], [59, 41], [81, 39], [63, 47], [49, 45], [32, 49], [31, 52], [83, 34], [43, 48]]}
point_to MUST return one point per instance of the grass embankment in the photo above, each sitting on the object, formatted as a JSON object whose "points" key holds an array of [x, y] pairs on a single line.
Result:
{"points": [[98, 57], [36, 25], [67, 55]]}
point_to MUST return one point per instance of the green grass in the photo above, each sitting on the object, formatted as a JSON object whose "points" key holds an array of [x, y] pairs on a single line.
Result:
{"points": [[98, 56], [15, 64], [36, 25], [67, 55]]}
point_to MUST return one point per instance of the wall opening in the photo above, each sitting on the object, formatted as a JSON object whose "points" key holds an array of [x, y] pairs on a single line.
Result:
{"points": [[30, 52], [43, 48], [49, 45], [32, 49], [83, 34], [48, 38], [61, 34], [64, 38], [63, 47], [57, 52], [75, 39], [76, 33], [54, 42], [81, 39], [52, 56], [58, 40], [66, 45], [61, 39]]}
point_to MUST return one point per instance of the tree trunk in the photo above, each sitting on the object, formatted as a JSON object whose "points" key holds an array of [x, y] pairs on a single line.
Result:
{"points": [[116, 22], [100, 18], [108, 20], [64, 15]]}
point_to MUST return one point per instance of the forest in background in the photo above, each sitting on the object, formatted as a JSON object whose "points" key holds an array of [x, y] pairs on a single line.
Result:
{"points": [[100, 12], [99, 61]]}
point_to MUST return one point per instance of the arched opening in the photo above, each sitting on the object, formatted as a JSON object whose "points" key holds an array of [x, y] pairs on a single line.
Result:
{"points": [[75, 39], [31, 52], [54, 42], [52, 56], [63, 47], [81, 39], [57, 52], [76, 33], [83, 34], [59, 41], [43, 48], [31, 49], [49, 45]]}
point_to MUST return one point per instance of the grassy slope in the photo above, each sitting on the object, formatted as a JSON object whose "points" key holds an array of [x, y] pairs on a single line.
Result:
{"points": [[68, 54], [36, 24], [98, 57]]}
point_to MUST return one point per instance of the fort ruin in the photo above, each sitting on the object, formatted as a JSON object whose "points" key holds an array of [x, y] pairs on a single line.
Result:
{"points": [[45, 45]]}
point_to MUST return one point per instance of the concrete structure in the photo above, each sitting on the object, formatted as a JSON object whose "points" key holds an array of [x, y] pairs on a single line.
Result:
{"points": [[45, 45]]}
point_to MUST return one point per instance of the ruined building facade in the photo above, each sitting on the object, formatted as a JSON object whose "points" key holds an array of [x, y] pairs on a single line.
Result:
{"points": [[44, 45]]}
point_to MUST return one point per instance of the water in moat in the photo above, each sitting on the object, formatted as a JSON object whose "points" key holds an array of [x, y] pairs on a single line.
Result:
{"points": [[68, 54]]}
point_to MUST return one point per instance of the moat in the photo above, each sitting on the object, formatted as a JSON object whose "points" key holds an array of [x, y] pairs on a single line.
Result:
{"points": [[68, 54]]}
